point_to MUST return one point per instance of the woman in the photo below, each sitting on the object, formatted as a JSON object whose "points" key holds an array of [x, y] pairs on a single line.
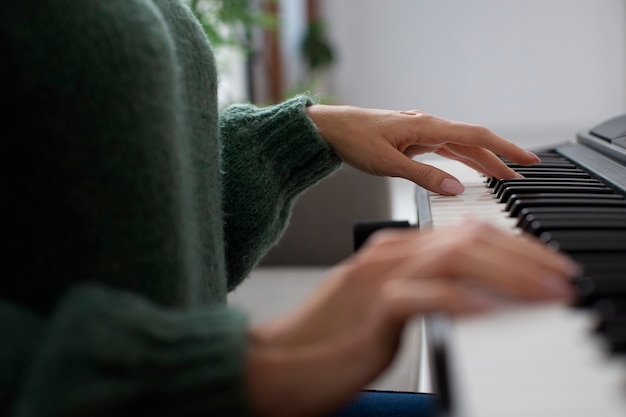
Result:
{"points": [[131, 208]]}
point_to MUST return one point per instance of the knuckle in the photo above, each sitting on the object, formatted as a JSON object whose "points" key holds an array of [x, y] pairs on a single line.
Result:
{"points": [[360, 263], [446, 255], [393, 299], [362, 269], [481, 131]]}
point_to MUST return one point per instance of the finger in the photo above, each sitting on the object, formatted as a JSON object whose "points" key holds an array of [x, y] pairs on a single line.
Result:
{"points": [[529, 248], [512, 275], [446, 153], [525, 246], [442, 131], [406, 298], [439, 181], [490, 164], [484, 255], [479, 136], [470, 232], [383, 252], [518, 267], [475, 252], [424, 175]]}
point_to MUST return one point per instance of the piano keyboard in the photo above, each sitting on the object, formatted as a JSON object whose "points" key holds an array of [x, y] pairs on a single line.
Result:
{"points": [[543, 360]]}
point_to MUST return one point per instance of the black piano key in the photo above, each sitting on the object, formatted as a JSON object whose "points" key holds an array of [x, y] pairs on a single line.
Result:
{"points": [[543, 181], [512, 190], [524, 222], [537, 227], [556, 158], [602, 200], [586, 240], [615, 335], [538, 182], [529, 173], [596, 211], [600, 263], [544, 164], [544, 153], [554, 174], [514, 198], [544, 167], [491, 182], [550, 155], [590, 290], [597, 270], [608, 309], [607, 326], [550, 171]]}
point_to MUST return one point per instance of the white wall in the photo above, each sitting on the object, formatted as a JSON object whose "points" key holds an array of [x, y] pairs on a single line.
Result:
{"points": [[535, 70], [292, 30]]}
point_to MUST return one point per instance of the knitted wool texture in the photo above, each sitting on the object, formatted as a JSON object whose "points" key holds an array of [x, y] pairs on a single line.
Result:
{"points": [[129, 210]]}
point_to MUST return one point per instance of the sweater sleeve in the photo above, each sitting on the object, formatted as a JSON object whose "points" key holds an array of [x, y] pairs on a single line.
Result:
{"points": [[20, 332], [107, 352], [95, 189], [270, 155]]}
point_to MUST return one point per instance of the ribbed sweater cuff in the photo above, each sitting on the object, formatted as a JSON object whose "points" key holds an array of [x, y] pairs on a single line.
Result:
{"points": [[112, 353], [286, 138]]}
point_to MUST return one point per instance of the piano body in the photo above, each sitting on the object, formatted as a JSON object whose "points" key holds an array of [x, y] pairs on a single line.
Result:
{"points": [[545, 360]]}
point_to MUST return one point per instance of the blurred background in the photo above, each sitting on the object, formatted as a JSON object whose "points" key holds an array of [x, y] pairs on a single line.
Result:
{"points": [[535, 72]]}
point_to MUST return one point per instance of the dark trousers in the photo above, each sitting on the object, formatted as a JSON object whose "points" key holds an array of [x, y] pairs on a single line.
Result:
{"points": [[390, 404]]}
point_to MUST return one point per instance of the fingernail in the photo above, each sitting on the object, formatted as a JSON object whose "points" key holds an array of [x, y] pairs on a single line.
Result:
{"points": [[451, 186], [534, 156], [518, 175]]}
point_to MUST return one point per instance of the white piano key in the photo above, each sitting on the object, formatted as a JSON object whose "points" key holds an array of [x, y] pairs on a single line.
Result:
{"points": [[537, 360], [477, 200]]}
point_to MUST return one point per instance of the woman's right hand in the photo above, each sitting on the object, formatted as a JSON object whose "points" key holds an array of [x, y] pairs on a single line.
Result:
{"points": [[314, 359]]}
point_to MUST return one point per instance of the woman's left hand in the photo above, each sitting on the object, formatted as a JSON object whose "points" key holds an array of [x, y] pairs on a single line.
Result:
{"points": [[383, 142], [349, 329]]}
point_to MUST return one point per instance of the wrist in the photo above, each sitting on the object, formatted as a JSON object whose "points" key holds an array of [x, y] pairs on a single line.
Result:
{"points": [[269, 376], [286, 379], [328, 120]]}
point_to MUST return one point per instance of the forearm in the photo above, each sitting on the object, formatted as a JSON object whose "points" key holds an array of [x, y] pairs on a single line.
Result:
{"points": [[298, 380], [107, 353], [270, 155]]}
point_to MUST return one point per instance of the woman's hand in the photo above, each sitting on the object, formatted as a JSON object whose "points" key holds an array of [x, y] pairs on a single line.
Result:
{"points": [[347, 333], [383, 142]]}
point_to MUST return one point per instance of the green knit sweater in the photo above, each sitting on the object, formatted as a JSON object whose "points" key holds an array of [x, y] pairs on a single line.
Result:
{"points": [[125, 216]]}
